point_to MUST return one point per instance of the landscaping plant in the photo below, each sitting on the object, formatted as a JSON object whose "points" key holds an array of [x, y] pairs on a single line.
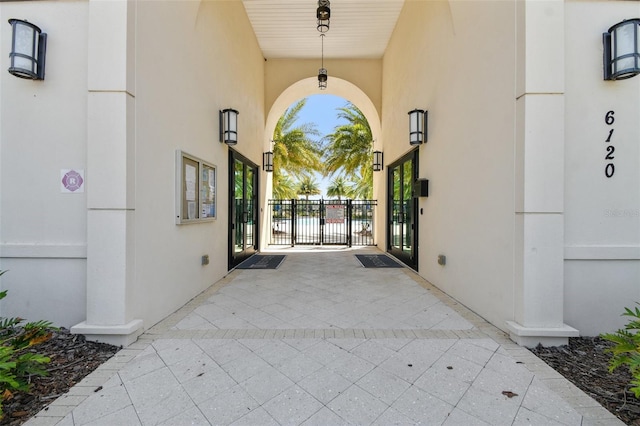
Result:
{"points": [[17, 362], [626, 350]]}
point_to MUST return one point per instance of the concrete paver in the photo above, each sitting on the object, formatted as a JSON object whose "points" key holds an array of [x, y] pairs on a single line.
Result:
{"points": [[323, 341]]}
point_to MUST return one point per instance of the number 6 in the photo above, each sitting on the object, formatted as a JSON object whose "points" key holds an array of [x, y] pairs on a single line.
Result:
{"points": [[608, 118]]}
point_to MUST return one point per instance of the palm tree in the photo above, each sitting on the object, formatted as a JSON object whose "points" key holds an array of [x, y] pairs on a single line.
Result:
{"points": [[339, 187], [285, 188], [350, 146], [308, 186], [362, 188], [349, 151], [294, 152]]}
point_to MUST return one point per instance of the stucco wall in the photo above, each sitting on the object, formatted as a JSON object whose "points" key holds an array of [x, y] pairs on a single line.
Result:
{"points": [[602, 215], [193, 59], [281, 74], [43, 129], [456, 60]]}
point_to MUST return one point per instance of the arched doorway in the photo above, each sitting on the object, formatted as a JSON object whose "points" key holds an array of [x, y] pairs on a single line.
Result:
{"points": [[304, 88]]}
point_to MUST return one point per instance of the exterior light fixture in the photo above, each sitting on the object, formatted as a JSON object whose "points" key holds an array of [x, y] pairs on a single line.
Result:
{"points": [[28, 50], [322, 78], [622, 50], [417, 126], [322, 72], [267, 161], [229, 126], [323, 13], [377, 161]]}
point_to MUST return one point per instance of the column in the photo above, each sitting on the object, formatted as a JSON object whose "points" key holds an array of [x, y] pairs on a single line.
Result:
{"points": [[539, 170], [111, 174]]}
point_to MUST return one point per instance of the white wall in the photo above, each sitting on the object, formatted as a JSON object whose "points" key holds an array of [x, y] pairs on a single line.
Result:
{"points": [[193, 59], [602, 215], [456, 59], [43, 129]]}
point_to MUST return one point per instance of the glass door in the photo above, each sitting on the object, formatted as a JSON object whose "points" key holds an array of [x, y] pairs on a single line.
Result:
{"points": [[402, 208], [243, 226]]}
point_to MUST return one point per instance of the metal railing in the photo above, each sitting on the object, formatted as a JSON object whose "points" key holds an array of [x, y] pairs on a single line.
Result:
{"points": [[322, 222]]}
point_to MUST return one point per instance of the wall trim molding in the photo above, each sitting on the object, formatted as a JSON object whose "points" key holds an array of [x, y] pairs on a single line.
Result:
{"points": [[602, 253], [43, 251]]}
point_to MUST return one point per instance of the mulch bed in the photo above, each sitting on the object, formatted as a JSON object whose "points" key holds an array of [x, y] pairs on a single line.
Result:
{"points": [[72, 358], [584, 362]]}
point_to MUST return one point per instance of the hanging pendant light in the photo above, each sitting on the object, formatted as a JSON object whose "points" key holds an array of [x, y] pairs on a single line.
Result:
{"points": [[322, 72], [323, 13]]}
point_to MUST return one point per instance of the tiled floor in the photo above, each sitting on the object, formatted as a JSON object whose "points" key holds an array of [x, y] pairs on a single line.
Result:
{"points": [[323, 341]]}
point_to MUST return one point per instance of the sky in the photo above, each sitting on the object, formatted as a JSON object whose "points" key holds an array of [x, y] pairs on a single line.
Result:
{"points": [[322, 110]]}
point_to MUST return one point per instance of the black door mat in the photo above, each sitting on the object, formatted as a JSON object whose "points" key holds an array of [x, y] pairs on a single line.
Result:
{"points": [[377, 261], [262, 262]]}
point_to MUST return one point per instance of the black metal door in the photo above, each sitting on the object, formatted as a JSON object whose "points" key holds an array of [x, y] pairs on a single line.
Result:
{"points": [[243, 216], [402, 230]]}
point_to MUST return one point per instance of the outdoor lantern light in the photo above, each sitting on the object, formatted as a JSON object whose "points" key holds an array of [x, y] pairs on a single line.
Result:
{"points": [[229, 126], [417, 126], [322, 78], [267, 161], [622, 50], [323, 13], [28, 48], [377, 161]]}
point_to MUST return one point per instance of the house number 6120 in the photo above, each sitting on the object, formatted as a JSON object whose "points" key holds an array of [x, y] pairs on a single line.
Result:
{"points": [[609, 168]]}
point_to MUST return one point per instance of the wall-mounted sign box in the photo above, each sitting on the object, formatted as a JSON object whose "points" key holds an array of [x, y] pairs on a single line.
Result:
{"points": [[195, 189], [421, 188]]}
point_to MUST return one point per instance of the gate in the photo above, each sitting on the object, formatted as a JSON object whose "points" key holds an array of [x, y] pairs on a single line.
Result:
{"points": [[326, 222]]}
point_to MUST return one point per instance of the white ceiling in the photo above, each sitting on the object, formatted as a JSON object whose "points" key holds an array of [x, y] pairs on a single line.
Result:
{"points": [[358, 29]]}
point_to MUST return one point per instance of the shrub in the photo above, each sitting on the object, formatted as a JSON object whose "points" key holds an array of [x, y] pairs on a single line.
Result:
{"points": [[17, 365], [626, 350]]}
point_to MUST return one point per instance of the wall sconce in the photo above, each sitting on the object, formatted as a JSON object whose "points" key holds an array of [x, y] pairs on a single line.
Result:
{"points": [[323, 13], [377, 161], [417, 126], [622, 50], [229, 126], [267, 161], [28, 50]]}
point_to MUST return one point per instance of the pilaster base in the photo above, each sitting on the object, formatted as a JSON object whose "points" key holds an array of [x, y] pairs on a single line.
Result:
{"points": [[530, 337], [118, 335]]}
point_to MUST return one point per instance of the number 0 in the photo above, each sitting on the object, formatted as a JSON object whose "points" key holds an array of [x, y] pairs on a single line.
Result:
{"points": [[609, 170]]}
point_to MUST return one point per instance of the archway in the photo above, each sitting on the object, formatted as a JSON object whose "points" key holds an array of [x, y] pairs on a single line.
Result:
{"points": [[301, 89]]}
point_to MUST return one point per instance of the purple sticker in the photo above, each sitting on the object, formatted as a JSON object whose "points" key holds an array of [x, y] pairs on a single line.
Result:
{"points": [[72, 181]]}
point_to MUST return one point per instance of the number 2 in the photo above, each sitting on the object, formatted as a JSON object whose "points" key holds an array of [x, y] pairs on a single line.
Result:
{"points": [[610, 150]]}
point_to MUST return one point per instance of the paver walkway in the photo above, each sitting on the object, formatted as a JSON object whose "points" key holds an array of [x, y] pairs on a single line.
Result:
{"points": [[324, 341]]}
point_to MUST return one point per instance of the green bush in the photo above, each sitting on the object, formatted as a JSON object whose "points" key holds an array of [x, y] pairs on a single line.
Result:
{"points": [[626, 350], [16, 364]]}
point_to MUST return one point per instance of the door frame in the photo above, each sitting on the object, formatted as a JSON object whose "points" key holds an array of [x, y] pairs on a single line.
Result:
{"points": [[410, 260], [233, 259]]}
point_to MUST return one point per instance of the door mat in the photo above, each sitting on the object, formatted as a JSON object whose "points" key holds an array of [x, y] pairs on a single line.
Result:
{"points": [[262, 262], [377, 261]]}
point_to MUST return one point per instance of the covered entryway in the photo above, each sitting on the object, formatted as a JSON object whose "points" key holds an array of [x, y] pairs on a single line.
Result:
{"points": [[322, 222]]}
